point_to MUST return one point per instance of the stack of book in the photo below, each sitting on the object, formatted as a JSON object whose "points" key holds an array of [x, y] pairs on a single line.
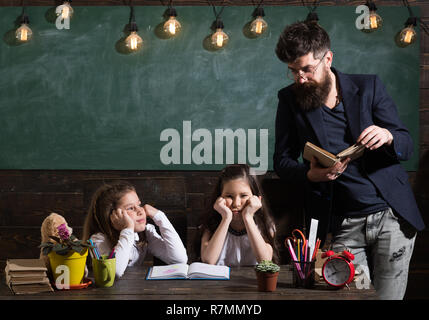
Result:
{"points": [[26, 276]]}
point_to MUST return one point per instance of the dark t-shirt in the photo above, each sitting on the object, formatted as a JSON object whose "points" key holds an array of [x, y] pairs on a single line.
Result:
{"points": [[353, 192]]}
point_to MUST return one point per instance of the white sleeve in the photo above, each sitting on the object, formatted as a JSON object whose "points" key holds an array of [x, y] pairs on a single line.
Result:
{"points": [[168, 246], [122, 249]]}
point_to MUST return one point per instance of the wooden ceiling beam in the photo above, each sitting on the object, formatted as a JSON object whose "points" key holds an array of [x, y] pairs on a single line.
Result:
{"points": [[18, 3]]}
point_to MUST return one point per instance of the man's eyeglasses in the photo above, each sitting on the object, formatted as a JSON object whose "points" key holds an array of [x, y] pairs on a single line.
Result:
{"points": [[307, 72]]}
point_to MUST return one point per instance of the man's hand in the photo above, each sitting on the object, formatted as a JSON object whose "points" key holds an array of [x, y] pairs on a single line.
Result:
{"points": [[374, 137], [317, 173]]}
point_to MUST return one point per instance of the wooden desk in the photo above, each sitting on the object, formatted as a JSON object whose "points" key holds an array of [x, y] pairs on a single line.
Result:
{"points": [[241, 286]]}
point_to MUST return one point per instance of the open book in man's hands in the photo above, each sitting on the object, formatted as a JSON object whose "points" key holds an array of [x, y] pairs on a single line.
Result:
{"points": [[196, 270], [328, 159]]}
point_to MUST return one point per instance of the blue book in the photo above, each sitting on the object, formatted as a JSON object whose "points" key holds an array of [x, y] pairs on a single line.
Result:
{"points": [[196, 270]]}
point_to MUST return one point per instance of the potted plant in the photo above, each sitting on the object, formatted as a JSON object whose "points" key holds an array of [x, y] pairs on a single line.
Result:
{"points": [[266, 274], [66, 250]]}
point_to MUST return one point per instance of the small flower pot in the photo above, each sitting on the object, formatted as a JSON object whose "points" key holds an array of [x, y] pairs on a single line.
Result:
{"points": [[74, 263], [267, 281]]}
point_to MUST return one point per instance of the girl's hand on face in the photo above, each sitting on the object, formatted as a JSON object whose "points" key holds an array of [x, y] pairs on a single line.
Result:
{"points": [[222, 209], [253, 204], [150, 211], [121, 220]]}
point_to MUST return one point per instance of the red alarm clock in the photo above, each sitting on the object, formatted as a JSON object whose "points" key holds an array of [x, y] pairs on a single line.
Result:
{"points": [[338, 270]]}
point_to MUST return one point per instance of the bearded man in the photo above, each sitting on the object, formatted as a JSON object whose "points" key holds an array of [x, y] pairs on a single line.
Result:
{"points": [[366, 204]]}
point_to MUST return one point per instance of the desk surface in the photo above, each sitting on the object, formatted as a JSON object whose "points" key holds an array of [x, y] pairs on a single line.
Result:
{"points": [[241, 286]]}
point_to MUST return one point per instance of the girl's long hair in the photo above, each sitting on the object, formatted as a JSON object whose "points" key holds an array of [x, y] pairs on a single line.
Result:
{"points": [[262, 217], [103, 202]]}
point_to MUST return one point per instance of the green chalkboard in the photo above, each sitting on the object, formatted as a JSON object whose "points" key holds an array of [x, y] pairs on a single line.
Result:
{"points": [[71, 99]]}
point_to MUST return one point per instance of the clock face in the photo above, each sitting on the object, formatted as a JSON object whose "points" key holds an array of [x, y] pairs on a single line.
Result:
{"points": [[336, 272]]}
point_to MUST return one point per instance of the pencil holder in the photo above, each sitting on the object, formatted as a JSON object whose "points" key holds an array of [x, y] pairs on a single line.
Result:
{"points": [[303, 275], [104, 270]]}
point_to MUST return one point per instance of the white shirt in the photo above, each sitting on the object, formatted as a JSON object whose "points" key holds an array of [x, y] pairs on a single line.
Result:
{"points": [[236, 251], [168, 246]]}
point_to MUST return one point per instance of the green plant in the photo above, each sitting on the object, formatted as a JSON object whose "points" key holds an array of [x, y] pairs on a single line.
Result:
{"points": [[65, 243], [267, 266]]}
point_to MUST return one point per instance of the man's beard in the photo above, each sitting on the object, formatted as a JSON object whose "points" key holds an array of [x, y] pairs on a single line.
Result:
{"points": [[311, 95]]}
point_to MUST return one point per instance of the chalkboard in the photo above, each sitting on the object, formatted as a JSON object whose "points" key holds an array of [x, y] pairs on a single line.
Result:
{"points": [[71, 99]]}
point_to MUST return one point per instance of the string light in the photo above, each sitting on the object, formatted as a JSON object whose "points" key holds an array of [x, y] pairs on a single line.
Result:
{"points": [[408, 34], [375, 21], [219, 38], [24, 33], [133, 42], [172, 27], [258, 25], [66, 11]]}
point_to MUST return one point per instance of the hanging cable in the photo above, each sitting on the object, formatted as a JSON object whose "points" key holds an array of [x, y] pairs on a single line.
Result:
{"points": [[217, 15], [413, 18], [312, 15], [219, 38]]}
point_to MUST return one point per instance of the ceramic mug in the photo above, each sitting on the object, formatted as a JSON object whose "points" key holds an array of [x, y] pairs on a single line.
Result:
{"points": [[104, 270]]}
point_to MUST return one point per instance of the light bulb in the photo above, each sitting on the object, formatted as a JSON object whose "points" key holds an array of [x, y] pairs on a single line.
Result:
{"points": [[375, 21], [258, 26], [24, 33], [172, 26], [133, 42], [219, 38], [66, 11], [407, 35]]}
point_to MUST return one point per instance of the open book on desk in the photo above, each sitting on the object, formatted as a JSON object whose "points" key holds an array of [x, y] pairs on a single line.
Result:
{"points": [[328, 159], [196, 270]]}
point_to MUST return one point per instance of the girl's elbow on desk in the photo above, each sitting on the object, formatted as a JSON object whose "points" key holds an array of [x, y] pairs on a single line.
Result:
{"points": [[119, 274], [266, 256], [183, 258], [208, 260]]}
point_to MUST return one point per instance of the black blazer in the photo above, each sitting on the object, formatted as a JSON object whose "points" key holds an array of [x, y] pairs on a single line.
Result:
{"points": [[366, 103]]}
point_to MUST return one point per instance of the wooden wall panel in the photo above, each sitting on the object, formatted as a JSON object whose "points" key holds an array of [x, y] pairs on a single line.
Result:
{"points": [[30, 209], [157, 191], [19, 242]]}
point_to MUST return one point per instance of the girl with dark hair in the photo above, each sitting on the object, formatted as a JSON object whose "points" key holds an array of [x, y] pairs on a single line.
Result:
{"points": [[238, 228], [117, 220]]}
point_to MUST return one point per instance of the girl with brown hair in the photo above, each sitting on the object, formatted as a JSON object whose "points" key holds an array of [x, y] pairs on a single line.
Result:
{"points": [[116, 221], [238, 228]]}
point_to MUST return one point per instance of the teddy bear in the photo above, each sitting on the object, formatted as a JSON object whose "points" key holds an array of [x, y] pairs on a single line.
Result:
{"points": [[50, 228]]}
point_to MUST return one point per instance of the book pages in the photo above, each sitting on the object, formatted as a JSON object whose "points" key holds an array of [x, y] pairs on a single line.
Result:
{"points": [[170, 271], [203, 270]]}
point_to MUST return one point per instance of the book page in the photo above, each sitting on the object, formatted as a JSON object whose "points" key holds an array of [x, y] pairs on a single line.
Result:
{"points": [[32, 288], [204, 270], [169, 271], [24, 274], [25, 265], [324, 157], [353, 152], [29, 280]]}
